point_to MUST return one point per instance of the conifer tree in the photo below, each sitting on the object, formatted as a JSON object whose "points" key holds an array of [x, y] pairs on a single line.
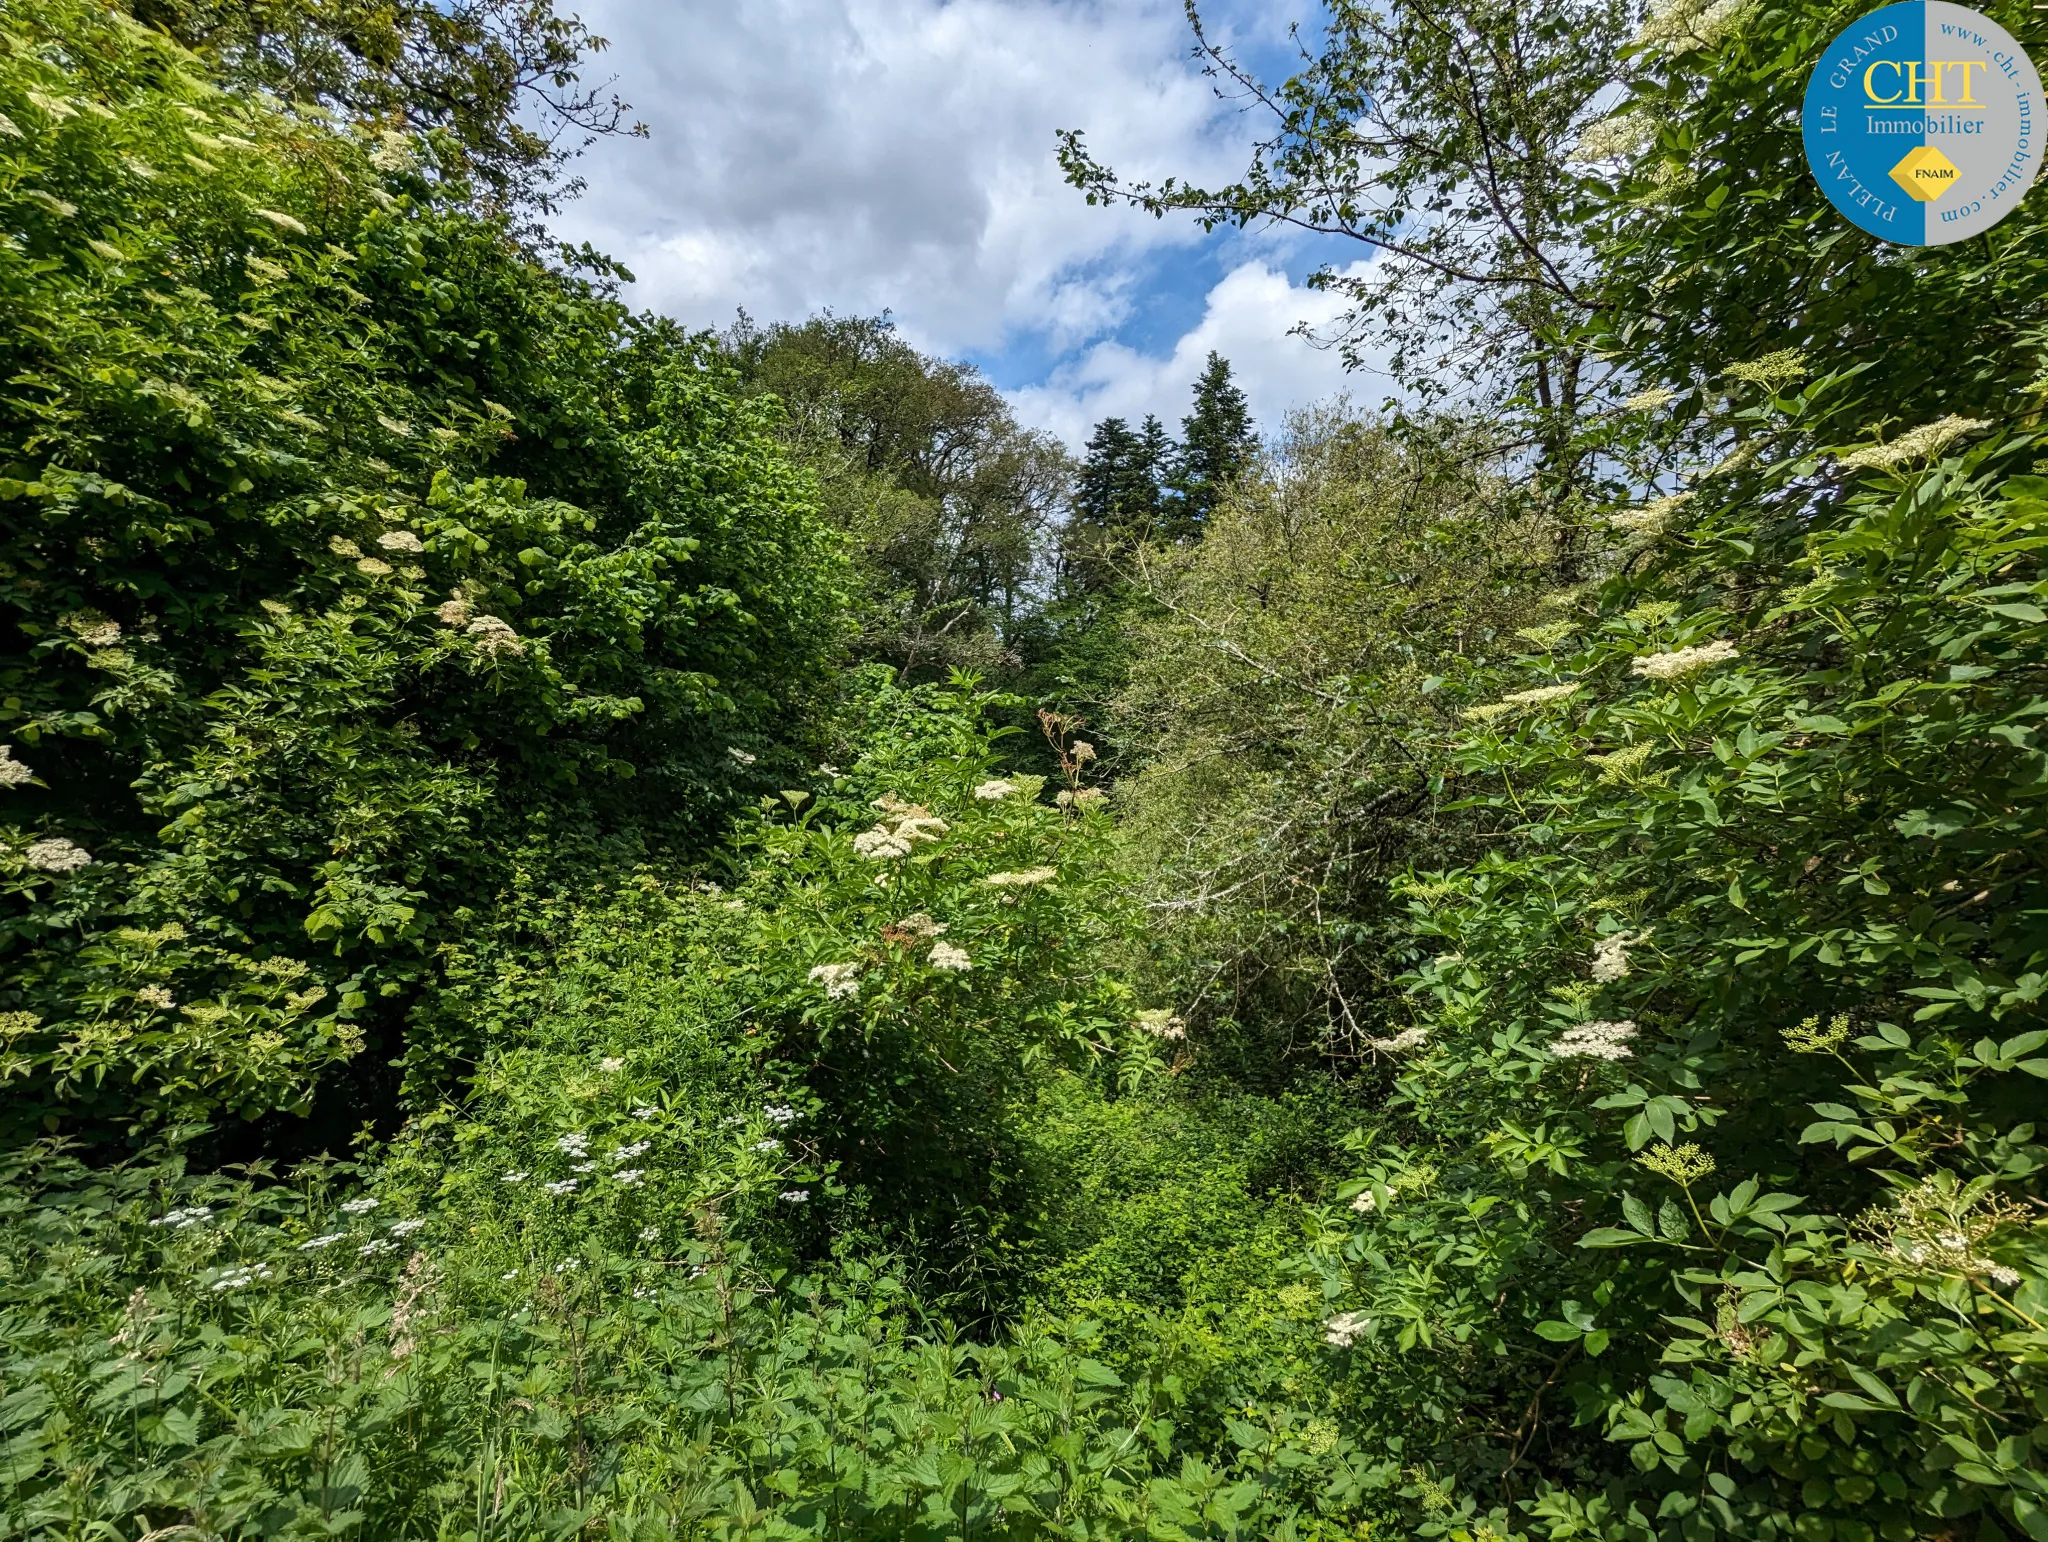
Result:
{"points": [[1216, 444]]}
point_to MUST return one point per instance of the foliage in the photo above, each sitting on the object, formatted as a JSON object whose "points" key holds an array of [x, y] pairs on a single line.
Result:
{"points": [[354, 560]]}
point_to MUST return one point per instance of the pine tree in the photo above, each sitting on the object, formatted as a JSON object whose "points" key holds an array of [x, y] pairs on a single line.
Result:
{"points": [[1119, 497], [1216, 444]]}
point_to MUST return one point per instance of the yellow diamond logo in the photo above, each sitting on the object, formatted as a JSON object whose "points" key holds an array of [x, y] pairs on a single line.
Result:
{"points": [[1925, 173]]}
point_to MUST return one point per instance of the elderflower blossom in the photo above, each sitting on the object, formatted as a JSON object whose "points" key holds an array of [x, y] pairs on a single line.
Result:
{"points": [[840, 980], [156, 996], [1031, 877], [342, 546], [991, 791], [92, 628], [945, 956], [374, 567], [796, 1196], [1341, 1331], [55, 854], [1651, 517], [2002, 1276], [400, 540], [1781, 367], [1625, 764], [1610, 956], [880, 844], [1680, 26], [611, 1063], [1595, 1041], [1365, 1204], [1400, 1043], [1928, 440], [1684, 661], [1161, 1023], [453, 612], [1650, 400], [12, 772], [1685, 1164], [494, 637], [1622, 137], [739, 755], [1542, 695]]}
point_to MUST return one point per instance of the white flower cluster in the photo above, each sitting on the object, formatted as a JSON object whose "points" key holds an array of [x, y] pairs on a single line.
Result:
{"points": [[839, 980], [779, 1114], [453, 611], [1680, 26], [374, 1247], [645, 1111], [1029, 878], [739, 755], [360, 1206], [903, 825], [156, 996], [1650, 400], [1161, 1023], [769, 1143], [400, 540], [180, 1219], [1610, 955], [1651, 517], [796, 1196], [561, 1187], [628, 1152], [1927, 440], [629, 1177], [1343, 1330], [515, 1177], [495, 637], [1684, 661], [318, 1243], [238, 1278], [995, 790], [921, 925], [945, 956], [55, 854], [1622, 137], [1402, 1042], [406, 1228], [1365, 1204], [573, 1144], [92, 628], [12, 772], [1595, 1041], [611, 1063]]}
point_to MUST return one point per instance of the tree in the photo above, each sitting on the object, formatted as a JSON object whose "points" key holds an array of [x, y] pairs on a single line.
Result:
{"points": [[495, 84], [947, 498], [1216, 445], [1440, 133]]}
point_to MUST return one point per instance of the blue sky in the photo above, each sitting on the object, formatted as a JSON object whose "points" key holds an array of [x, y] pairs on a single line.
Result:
{"points": [[858, 155]]}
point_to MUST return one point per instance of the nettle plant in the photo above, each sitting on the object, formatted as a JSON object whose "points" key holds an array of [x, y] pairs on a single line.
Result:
{"points": [[1709, 1201]]}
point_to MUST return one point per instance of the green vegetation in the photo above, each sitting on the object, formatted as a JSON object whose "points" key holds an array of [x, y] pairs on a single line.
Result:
{"points": [[543, 992]]}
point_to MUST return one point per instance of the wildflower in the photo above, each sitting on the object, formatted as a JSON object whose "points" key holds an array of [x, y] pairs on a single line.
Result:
{"points": [[342, 546], [650, 1233], [1610, 956], [92, 628], [282, 221], [1082, 751], [827, 770], [627, 1153], [374, 567], [2002, 1276], [1031, 877], [275, 608], [1625, 764], [572, 1144], [180, 1219], [560, 1187], [400, 540], [1622, 137], [1651, 517], [945, 956], [156, 996], [509, 1274], [374, 1247], [241, 1277], [359, 1206], [920, 826], [880, 844], [1771, 371], [406, 1228], [1085, 798], [1649, 401], [582, 1167], [494, 637], [1684, 661], [453, 612], [740, 755], [796, 1196], [515, 1177], [1928, 440], [768, 1144], [1400, 1043], [1549, 635], [12, 772], [1651, 613], [1161, 1023], [1486, 713], [565, 1265], [630, 1177], [993, 791], [611, 1063], [1365, 1204], [1599, 1040], [839, 980], [1341, 1331], [642, 1111], [1809, 1038], [921, 927], [55, 854], [1683, 1165], [318, 1243], [1542, 695]]}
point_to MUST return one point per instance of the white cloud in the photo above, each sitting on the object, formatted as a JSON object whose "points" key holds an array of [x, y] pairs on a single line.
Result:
{"points": [[863, 154], [1248, 318]]}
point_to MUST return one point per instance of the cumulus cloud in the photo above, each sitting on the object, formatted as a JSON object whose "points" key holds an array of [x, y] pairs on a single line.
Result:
{"points": [[862, 155]]}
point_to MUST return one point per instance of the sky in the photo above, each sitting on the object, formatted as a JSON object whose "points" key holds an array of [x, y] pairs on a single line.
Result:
{"points": [[870, 155]]}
